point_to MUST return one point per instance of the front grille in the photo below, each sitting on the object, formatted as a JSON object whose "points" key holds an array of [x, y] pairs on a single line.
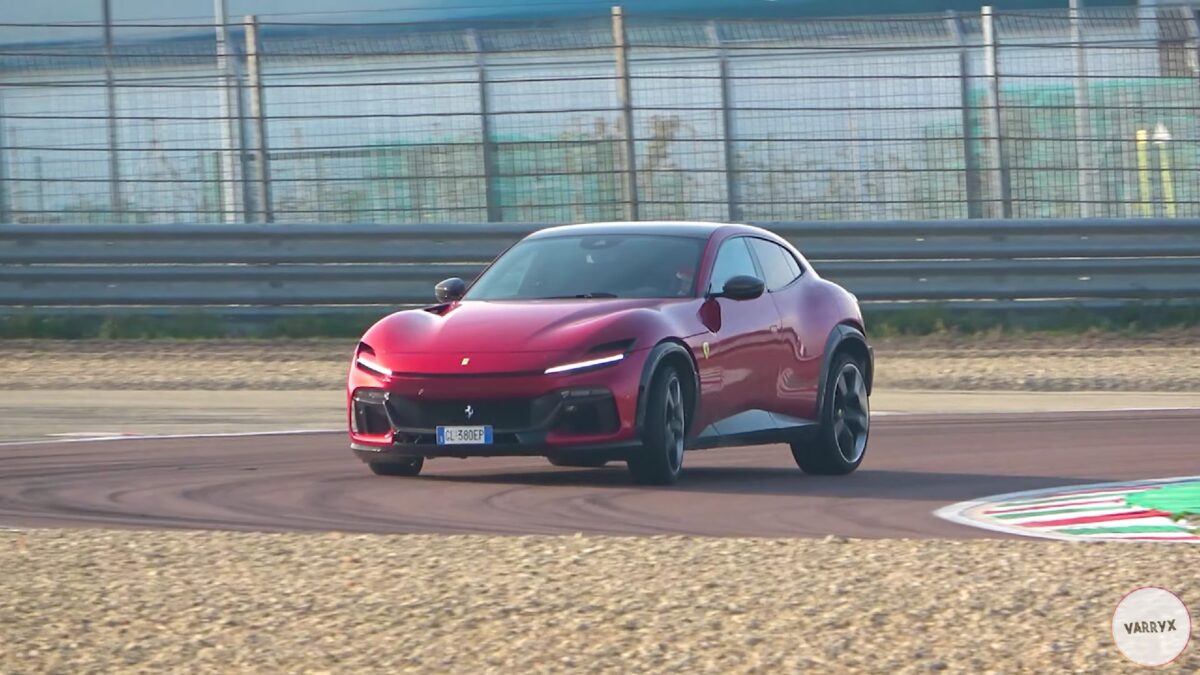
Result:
{"points": [[418, 414], [572, 411]]}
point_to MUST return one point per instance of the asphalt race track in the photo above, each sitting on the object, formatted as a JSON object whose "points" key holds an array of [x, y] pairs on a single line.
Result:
{"points": [[914, 465]]}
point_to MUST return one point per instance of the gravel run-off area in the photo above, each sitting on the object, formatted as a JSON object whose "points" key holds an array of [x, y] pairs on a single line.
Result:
{"points": [[105, 601], [102, 602]]}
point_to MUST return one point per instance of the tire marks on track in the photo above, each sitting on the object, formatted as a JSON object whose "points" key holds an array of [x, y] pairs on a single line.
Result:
{"points": [[310, 482]]}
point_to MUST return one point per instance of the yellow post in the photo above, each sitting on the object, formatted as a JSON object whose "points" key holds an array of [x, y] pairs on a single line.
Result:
{"points": [[1168, 185], [1143, 164]]}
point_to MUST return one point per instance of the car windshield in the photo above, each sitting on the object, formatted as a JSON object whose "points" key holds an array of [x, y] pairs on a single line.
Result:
{"points": [[593, 266]]}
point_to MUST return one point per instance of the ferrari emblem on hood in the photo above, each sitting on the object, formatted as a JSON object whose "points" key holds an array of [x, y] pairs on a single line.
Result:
{"points": [[466, 360]]}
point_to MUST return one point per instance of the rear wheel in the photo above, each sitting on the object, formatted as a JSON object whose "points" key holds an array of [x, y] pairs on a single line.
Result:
{"points": [[841, 442], [405, 467], [660, 459]]}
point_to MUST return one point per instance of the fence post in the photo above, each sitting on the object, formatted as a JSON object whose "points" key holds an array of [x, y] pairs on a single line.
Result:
{"points": [[488, 148], [970, 156], [625, 97], [1193, 29], [1191, 24], [1083, 121], [733, 205], [15, 178], [227, 118], [5, 210], [245, 153], [732, 201], [999, 178], [110, 102], [258, 112]]}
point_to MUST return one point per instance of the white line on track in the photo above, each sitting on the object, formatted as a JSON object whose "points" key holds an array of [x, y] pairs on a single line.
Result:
{"points": [[1042, 411], [150, 437], [1033, 509]]}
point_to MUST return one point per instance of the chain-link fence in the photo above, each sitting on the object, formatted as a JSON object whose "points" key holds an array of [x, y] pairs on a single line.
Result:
{"points": [[1013, 115]]}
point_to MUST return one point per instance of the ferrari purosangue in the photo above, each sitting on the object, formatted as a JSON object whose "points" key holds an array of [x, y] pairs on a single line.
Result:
{"points": [[628, 342]]}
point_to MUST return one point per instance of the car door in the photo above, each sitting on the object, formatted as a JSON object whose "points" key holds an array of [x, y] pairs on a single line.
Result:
{"points": [[738, 360], [799, 362]]}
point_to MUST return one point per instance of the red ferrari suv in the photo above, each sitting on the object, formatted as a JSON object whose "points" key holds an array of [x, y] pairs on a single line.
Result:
{"points": [[620, 342]]}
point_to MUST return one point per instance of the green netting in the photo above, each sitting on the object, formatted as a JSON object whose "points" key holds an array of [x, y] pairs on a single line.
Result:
{"points": [[1041, 146], [577, 175], [572, 177], [564, 177]]}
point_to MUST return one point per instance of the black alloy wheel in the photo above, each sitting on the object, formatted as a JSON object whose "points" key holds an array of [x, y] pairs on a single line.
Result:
{"points": [[845, 428], [660, 459]]}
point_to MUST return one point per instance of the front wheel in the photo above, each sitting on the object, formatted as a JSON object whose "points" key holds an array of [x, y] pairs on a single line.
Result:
{"points": [[405, 467], [841, 442], [660, 459]]}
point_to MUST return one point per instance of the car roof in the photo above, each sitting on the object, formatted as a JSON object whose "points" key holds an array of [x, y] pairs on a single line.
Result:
{"points": [[695, 229]]}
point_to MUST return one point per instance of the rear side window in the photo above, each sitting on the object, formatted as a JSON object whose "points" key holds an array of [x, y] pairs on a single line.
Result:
{"points": [[793, 264], [779, 266]]}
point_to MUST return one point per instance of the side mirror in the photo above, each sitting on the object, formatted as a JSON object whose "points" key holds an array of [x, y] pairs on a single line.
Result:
{"points": [[450, 290], [743, 287]]}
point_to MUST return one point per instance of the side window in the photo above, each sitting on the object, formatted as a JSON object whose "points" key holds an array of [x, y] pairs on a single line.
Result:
{"points": [[775, 262], [793, 264], [733, 259]]}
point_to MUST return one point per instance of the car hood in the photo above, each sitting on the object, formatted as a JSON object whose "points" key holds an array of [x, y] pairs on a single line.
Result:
{"points": [[528, 334]]}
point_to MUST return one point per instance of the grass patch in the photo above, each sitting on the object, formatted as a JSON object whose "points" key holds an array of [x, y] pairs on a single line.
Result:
{"points": [[925, 320], [325, 325]]}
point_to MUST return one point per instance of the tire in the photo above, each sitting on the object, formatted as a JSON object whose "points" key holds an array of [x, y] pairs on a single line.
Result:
{"points": [[845, 424], [578, 463], [409, 467], [660, 459]]}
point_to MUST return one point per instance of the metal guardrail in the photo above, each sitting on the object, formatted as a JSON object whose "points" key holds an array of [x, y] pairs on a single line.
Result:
{"points": [[281, 268]]}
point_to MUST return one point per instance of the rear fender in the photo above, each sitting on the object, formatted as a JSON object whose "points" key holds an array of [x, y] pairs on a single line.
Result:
{"points": [[841, 334]]}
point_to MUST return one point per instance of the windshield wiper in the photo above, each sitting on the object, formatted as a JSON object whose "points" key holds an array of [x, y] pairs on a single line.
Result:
{"points": [[594, 294]]}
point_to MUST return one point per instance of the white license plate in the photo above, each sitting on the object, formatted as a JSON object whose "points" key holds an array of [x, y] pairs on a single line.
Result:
{"points": [[464, 435]]}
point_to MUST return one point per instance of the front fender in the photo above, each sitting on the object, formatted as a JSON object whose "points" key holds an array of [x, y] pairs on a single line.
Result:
{"points": [[654, 359]]}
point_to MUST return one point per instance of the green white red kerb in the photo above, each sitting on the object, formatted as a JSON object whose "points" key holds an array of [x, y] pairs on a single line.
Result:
{"points": [[1154, 510]]}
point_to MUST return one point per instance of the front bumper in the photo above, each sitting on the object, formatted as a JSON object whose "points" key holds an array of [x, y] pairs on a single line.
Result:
{"points": [[618, 450], [571, 415]]}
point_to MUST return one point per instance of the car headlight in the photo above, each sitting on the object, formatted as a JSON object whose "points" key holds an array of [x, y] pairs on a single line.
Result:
{"points": [[365, 359], [372, 366], [590, 363]]}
